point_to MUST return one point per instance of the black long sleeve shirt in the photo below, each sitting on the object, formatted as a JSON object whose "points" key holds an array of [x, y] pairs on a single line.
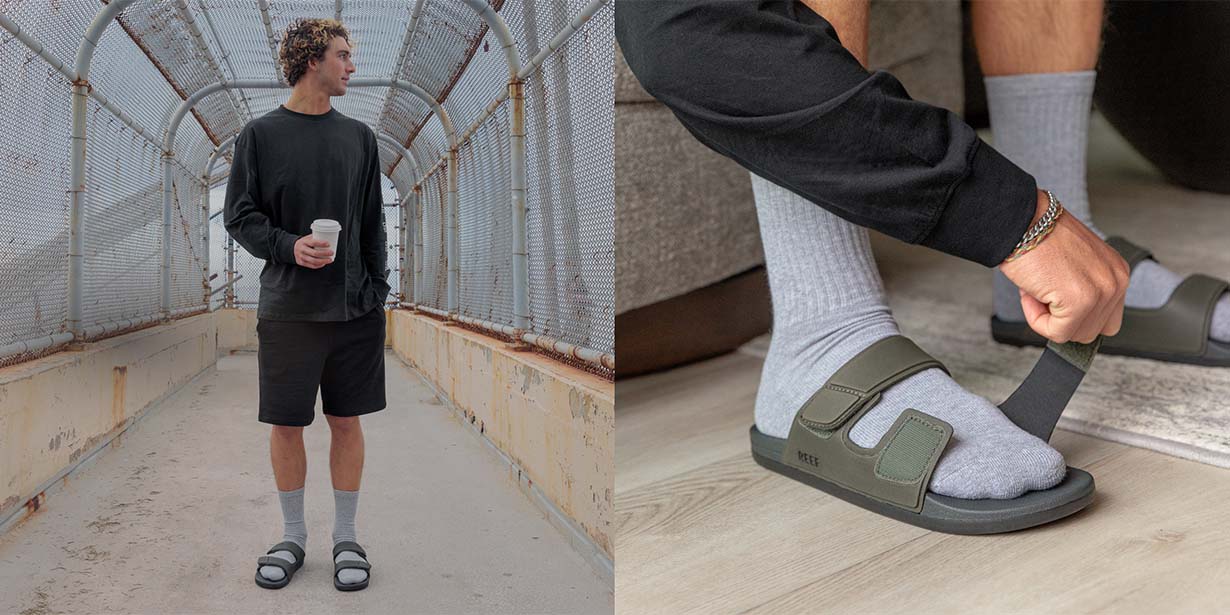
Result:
{"points": [[289, 169], [768, 84]]}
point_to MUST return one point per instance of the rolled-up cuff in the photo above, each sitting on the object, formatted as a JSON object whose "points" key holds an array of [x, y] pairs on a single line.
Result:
{"points": [[285, 252], [989, 210]]}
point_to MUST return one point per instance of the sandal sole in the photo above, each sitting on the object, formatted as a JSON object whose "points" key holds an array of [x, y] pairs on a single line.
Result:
{"points": [[267, 584], [1217, 354], [942, 513], [351, 586]]}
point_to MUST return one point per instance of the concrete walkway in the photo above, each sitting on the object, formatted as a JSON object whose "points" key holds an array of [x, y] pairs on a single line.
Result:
{"points": [[172, 520]]}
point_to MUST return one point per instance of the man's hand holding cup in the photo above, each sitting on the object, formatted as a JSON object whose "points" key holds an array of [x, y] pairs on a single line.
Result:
{"points": [[317, 250]]}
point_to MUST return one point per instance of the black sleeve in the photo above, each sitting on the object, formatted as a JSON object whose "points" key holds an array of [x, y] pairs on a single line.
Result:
{"points": [[373, 237], [769, 85], [245, 216]]}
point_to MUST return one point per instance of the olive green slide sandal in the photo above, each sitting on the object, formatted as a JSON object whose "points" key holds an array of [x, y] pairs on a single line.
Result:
{"points": [[1178, 331], [891, 478]]}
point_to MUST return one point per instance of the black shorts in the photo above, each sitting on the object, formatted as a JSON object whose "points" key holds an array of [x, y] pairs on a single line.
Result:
{"points": [[344, 359]]}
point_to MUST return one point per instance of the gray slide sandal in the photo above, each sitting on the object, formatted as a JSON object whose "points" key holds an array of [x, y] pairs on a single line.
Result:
{"points": [[288, 568], [1178, 331], [891, 478]]}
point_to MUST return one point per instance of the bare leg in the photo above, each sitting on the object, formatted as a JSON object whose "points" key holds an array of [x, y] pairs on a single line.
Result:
{"points": [[346, 452], [1036, 36], [849, 19], [289, 459]]}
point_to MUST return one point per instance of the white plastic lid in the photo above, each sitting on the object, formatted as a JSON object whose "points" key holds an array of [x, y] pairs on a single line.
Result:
{"points": [[326, 225]]}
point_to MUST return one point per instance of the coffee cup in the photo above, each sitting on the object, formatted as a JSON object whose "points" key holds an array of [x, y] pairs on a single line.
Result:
{"points": [[327, 230]]}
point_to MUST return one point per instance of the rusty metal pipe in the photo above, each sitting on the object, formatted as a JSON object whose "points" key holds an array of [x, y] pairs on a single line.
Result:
{"points": [[226, 286], [562, 36], [205, 204], [76, 219], [263, 5], [581, 353], [35, 344]]}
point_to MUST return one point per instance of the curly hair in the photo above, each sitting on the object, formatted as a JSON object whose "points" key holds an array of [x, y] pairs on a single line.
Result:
{"points": [[307, 39]]}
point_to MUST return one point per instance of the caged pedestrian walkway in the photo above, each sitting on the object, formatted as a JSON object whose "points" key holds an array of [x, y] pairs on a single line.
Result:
{"points": [[121, 290]]}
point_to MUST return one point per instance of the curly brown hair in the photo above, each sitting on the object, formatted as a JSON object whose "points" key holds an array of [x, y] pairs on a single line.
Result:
{"points": [[305, 39]]}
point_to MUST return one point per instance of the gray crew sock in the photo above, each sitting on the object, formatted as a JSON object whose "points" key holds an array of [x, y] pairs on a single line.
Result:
{"points": [[828, 305], [293, 529], [346, 504], [1040, 121]]}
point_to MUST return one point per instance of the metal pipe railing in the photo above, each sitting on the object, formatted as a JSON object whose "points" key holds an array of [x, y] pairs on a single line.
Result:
{"points": [[400, 62], [418, 242], [230, 282], [35, 344], [185, 14], [562, 37], [69, 73], [205, 204], [263, 5], [515, 93], [581, 353], [76, 218], [225, 55], [407, 153]]}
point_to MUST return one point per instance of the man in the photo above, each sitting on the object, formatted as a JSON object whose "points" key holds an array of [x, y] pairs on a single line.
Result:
{"points": [[320, 320]]}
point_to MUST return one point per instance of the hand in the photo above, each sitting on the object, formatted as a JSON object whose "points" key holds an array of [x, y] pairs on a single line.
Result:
{"points": [[1072, 284], [311, 252]]}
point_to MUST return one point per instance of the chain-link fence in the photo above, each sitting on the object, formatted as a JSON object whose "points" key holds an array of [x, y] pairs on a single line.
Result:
{"points": [[529, 228]]}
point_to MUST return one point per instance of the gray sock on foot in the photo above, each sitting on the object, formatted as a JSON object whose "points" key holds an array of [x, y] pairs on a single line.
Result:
{"points": [[293, 529], [346, 504], [1040, 121], [828, 305]]}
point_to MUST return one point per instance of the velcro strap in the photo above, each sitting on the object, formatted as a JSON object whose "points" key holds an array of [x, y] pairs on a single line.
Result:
{"points": [[348, 545], [273, 560], [896, 470], [351, 563], [1130, 252], [287, 545], [914, 446], [1037, 403], [861, 380]]}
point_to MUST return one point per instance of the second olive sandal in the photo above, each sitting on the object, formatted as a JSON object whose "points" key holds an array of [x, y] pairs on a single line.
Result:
{"points": [[891, 478], [1178, 331]]}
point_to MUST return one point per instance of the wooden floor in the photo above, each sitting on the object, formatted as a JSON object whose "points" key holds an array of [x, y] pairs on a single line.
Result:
{"points": [[700, 528]]}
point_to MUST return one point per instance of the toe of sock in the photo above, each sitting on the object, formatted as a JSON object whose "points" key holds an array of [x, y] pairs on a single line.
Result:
{"points": [[350, 576], [998, 468], [273, 573]]}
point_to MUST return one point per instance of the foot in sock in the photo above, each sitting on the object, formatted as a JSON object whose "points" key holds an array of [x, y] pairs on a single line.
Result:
{"points": [[350, 576], [293, 530], [1150, 287], [346, 504], [1040, 121], [828, 305]]}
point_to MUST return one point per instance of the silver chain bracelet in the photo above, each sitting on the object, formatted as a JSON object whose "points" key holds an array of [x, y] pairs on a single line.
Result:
{"points": [[1040, 229]]}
